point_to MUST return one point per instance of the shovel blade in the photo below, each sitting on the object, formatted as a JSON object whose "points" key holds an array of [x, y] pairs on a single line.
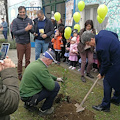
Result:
{"points": [[80, 109]]}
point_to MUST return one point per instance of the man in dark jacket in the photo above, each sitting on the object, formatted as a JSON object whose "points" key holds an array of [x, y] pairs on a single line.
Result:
{"points": [[9, 91], [108, 51], [21, 28], [44, 29]]}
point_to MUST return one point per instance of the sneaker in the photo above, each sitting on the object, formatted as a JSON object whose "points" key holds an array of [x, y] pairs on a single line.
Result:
{"points": [[83, 79], [31, 108], [70, 67], [46, 112], [89, 75], [73, 68]]}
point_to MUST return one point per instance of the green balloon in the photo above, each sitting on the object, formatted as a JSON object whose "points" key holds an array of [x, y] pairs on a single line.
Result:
{"points": [[81, 5], [102, 11], [76, 16], [100, 20], [66, 37], [57, 16], [68, 31], [77, 26]]}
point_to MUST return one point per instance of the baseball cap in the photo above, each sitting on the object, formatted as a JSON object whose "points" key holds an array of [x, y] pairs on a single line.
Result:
{"points": [[50, 54]]}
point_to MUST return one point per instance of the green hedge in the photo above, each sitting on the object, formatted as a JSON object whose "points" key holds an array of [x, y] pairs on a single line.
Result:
{"points": [[12, 43]]}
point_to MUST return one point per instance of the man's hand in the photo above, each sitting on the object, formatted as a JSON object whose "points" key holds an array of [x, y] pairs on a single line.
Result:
{"points": [[8, 63], [35, 34], [99, 76], [29, 27], [44, 36], [59, 80]]}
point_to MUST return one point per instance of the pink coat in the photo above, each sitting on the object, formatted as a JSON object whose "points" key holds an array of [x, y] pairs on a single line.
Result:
{"points": [[73, 52]]}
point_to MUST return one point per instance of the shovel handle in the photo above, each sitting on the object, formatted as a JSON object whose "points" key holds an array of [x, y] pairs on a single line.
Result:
{"points": [[89, 92]]}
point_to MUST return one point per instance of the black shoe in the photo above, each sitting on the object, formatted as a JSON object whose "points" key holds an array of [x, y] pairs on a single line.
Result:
{"points": [[101, 108], [83, 79], [20, 76], [64, 60], [113, 101], [89, 75], [30, 108]]}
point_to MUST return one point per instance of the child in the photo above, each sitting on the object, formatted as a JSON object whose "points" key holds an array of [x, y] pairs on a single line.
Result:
{"points": [[67, 51], [75, 34], [95, 68], [73, 53], [57, 44]]}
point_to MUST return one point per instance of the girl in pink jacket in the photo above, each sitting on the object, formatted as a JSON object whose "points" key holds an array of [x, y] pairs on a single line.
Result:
{"points": [[73, 53]]}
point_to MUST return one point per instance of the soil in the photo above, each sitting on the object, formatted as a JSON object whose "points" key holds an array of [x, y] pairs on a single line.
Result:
{"points": [[67, 111]]}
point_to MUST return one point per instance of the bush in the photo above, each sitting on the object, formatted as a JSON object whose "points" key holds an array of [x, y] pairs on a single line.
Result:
{"points": [[12, 43]]}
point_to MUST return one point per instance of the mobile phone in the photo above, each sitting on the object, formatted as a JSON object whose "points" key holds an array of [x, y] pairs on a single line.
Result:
{"points": [[4, 51]]}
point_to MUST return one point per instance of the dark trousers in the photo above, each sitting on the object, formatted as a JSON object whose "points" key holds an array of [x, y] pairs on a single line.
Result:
{"points": [[49, 96], [107, 94], [73, 63], [5, 34], [57, 53], [21, 50]]}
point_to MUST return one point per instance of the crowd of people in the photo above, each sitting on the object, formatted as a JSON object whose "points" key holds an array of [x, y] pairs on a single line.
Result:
{"points": [[86, 49]]}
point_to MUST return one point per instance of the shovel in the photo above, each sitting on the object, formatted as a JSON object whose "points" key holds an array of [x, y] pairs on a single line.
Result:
{"points": [[79, 107]]}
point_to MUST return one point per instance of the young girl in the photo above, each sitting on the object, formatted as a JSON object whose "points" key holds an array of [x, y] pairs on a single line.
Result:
{"points": [[73, 53], [67, 50], [75, 34], [57, 44]]}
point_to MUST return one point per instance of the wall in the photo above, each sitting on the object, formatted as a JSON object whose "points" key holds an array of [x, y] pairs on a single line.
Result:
{"points": [[14, 4], [112, 21]]}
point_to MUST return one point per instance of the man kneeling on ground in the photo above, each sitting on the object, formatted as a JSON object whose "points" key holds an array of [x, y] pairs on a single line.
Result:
{"points": [[38, 84]]}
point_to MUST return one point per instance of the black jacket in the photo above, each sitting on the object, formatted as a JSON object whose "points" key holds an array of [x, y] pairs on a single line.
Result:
{"points": [[48, 28], [18, 29]]}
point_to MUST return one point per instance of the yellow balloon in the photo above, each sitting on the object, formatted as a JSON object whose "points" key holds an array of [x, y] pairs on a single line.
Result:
{"points": [[57, 16], [81, 5], [100, 20], [68, 31], [66, 37], [102, 10], [77, 26], [76, 16]]}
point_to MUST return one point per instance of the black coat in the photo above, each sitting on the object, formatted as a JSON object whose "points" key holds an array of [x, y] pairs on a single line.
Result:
{"points": [[108, 51], [18, 29], [48, 28]]}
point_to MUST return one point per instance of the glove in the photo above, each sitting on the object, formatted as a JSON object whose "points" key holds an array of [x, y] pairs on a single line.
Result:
{"points": [[59, 79]]}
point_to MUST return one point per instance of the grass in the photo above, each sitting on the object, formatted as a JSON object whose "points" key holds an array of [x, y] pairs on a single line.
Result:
{"points": [[76, 90]]}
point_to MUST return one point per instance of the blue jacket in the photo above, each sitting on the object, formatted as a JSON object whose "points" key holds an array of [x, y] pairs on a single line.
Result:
{"points": [[18, 29], [48, 28], [5, 26], [108, 51]]}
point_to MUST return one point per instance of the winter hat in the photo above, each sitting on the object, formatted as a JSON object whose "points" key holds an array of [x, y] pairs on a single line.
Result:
{"points": [[51, 55], [74, 39], [75, 31]]}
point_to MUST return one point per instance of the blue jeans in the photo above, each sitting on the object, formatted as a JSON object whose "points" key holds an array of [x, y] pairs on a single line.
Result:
{"points": [[40, 45], [107, 94], [49, 96], [5, 34]]}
